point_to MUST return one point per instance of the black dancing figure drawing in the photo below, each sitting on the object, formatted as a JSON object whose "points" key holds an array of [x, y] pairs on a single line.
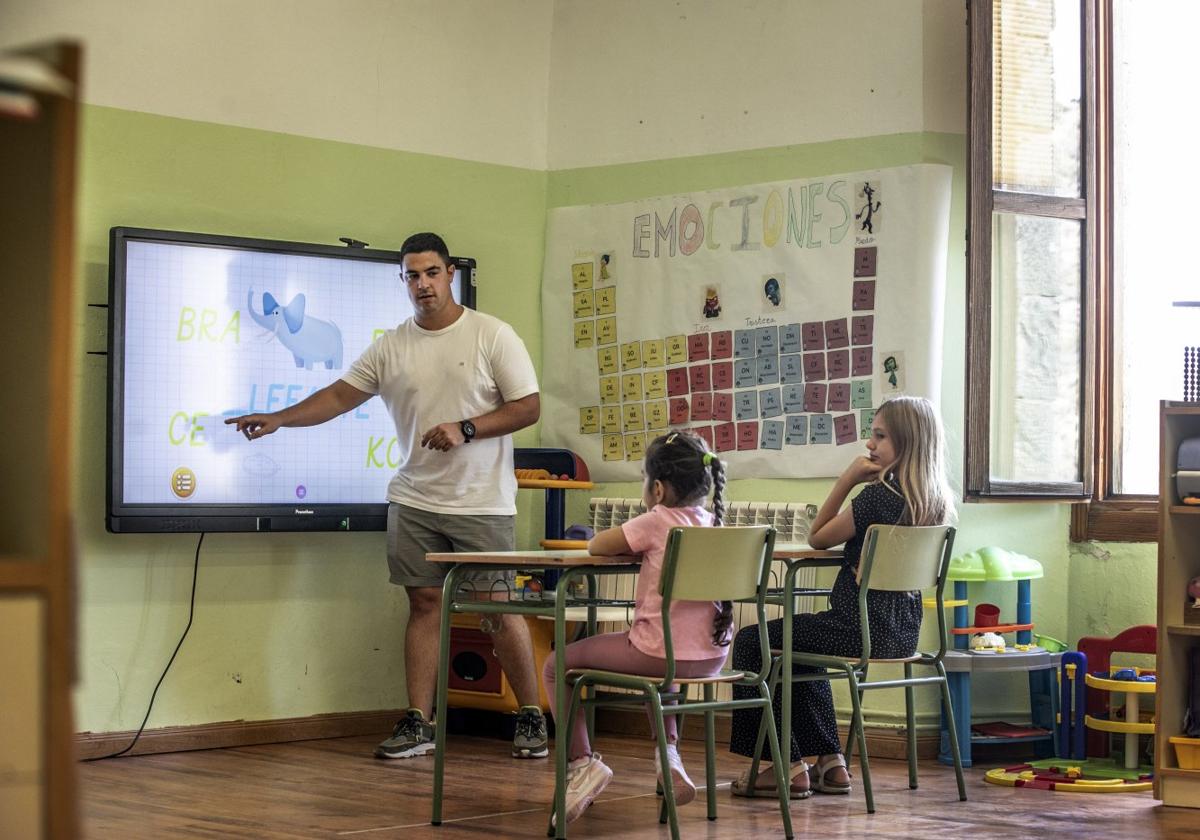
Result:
{"points": [[867, 213]]}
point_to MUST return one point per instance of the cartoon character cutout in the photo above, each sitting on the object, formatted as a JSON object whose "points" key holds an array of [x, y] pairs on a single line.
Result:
{"points": [[867, 214], [772, 292], [891, 366], [712, 303], [604, 261]]}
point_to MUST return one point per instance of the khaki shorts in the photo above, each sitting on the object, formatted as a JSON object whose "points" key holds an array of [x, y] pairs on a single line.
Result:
{"points": [[413, 533]]}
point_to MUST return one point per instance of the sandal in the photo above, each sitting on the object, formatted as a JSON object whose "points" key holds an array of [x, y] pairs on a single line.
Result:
{"points": [[766, 785], [818, 772]]}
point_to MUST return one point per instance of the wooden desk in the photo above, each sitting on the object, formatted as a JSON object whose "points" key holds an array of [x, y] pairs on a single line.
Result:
{"points": [[573, 564]]}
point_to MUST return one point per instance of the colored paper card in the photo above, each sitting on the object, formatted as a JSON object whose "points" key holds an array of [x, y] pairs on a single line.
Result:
{"points": [[656, 384], [702, 406], [837, 334], [589, 420], [820, 428], [745, 373], [863, 296], [581, 276], [585, 334], [722, 344], [789, 338], [700, 378], [676, 349], [653, 353], [865, 419], [606, 331], [656, 415], [635, 447], [797, 430], [584, 304], [631, 355], [772, 435], [793, 398], [839, 396], [697, 347], [614, 448], [766, 341], [864, 261], [725, 437], [632, 418], [606, 357], [791, 369], [722, 406], [745, 405], [860, 393], [606, 300], [631, 387], [860, 361], [814, 396], [747, 436], [812, 335], [862, 329], [814, 366], [769, 404], [677, 382], [837, 364], [767, 370], [610, 390], [722, 376], [678, 411], [743, 344], [843, 427], [706, 434], [610, 419]]}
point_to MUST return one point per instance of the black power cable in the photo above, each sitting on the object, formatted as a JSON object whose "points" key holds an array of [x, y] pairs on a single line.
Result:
{"points": [[191, 612]]}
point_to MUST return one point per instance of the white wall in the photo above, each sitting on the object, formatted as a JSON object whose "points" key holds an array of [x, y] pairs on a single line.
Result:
{"points": [[632, 80], [460, 78]]}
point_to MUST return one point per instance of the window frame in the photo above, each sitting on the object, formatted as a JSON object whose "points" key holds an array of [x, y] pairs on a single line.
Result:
{"points": [[1097, 512]]}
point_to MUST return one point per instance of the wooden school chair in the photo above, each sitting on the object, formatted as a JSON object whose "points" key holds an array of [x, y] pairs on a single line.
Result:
{"points": [[894, 558], [700, 564]]}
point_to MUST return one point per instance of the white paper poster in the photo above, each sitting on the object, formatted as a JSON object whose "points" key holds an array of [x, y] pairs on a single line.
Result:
{"points": [[771, 319]]}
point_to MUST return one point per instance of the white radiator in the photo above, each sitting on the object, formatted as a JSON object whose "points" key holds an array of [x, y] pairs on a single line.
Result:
{"points": [[790, 519]]}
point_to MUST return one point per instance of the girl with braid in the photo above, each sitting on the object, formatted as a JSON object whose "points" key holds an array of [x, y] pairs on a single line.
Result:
{"points": [[680, 472]]}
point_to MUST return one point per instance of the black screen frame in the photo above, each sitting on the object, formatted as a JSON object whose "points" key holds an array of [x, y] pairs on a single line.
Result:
{"points": [[122, 517]]}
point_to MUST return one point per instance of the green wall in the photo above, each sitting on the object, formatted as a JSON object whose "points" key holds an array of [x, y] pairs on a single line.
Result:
{"points": [[286, 625], [294, 625]]}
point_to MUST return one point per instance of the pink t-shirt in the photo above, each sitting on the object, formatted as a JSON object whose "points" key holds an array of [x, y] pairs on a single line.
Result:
{"points": [[691, 621]]}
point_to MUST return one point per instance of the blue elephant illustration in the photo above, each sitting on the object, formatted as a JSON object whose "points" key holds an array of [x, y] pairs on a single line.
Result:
{"points": [[311, 340]]}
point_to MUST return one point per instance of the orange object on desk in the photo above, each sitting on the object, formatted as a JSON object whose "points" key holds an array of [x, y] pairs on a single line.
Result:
{"points": [[563, 545]]}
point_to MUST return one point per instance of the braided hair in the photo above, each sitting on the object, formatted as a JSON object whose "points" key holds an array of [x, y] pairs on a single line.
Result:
{"points": [[682, 461]]}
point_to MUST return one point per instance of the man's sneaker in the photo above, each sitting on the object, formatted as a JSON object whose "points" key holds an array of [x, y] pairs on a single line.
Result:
{"points": [[683, 787], [529, 740], [412, 736], [586, 778]]}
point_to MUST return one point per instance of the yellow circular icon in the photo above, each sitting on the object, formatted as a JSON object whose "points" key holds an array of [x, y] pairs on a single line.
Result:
{"points": [[183, 482]]}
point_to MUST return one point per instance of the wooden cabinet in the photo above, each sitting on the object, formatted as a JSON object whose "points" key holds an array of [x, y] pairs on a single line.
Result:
{"points": [[38, 119], [1178, 563]]}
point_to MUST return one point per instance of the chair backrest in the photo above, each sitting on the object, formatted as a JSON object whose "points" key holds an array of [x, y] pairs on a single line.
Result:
{"points": [[902, 558], [716, 564]]}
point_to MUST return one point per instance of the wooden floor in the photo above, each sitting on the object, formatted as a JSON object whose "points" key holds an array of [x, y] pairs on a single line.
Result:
{"points": [[334, 788]]}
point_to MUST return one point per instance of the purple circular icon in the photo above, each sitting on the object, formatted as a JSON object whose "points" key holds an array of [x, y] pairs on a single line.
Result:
{"points": [[301, 491]]}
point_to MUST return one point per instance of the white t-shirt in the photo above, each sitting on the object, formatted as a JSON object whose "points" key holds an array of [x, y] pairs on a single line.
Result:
{"points": [[468, 369]]}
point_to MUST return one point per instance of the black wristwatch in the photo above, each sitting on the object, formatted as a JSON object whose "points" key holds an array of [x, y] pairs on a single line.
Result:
{"points": [[468, 430]]}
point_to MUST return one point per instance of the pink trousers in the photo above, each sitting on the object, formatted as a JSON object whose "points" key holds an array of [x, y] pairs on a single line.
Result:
{"points": [[614, 652]]}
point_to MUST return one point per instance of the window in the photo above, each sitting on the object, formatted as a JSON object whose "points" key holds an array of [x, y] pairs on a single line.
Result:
{"points": [[1076, 262]]}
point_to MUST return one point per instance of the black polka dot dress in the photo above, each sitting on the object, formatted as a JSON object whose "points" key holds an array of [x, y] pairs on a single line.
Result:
{"points": [[895, 621]]}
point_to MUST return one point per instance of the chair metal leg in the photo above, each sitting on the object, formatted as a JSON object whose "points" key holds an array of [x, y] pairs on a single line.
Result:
{"points": [[952, 732], [767, 720], [660, 731], [782, 782], [557, 826], [449, 587], [849, 753], [910, 715], [710, 751], [856, 724]]}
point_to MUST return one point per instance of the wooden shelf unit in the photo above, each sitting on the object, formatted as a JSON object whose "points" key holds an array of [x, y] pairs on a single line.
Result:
{"points": [[1178, 562]]}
